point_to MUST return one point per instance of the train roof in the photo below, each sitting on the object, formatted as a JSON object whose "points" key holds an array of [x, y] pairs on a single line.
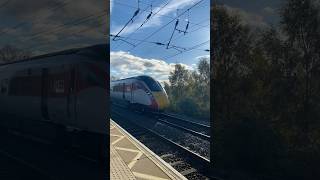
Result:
{"points": [[99, 50], [134, 77]]}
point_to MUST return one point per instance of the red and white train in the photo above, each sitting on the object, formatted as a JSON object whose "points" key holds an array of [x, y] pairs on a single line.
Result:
{"points": [[140, 91], [57, 94]]}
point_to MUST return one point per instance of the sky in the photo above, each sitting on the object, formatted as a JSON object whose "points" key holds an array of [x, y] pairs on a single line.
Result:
{"points": [[44, 26], [255, 13], [139, 54]]}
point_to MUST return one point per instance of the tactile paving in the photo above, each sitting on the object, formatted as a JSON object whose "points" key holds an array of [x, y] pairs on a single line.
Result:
{"points": [[138, 159], [118, 169]]}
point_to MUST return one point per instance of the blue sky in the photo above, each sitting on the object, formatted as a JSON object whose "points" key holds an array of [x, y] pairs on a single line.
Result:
{"points": [[149, 58]]}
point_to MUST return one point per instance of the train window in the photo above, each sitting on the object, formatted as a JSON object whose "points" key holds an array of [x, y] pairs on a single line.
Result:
{"points": [[139, 86], [118, 87], [151, 83], [128, 88], [59, 86]]}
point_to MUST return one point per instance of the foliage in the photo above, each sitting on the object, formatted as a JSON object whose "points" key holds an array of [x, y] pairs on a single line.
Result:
{"points": [[10, 54], [189, 91], [266, 93], [113, 78]]}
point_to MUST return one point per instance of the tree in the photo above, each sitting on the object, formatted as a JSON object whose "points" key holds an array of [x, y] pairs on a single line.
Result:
{"points": [[267, 93], [202, 85], [243, 132], [167, 87], [189, 91], [300, 20], [114, 78], [231, 48], [179, 80], [10, 54], [204, 70]]}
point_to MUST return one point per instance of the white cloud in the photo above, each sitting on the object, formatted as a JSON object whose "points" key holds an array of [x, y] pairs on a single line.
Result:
{"points": [[111, 6], [204, 56], [251, 19], [156, 20], [123, 64]]}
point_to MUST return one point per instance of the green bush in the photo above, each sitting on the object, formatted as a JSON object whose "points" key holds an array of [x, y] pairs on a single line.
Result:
{"points": [[188, 106]]}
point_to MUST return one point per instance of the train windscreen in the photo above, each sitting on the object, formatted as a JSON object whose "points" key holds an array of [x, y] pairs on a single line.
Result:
{"points": [[151, 83]]}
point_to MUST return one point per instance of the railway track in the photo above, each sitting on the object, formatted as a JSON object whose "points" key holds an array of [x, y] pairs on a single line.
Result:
{"points": [[187, 162], [197, 129], [191, 139], [202, 127]]}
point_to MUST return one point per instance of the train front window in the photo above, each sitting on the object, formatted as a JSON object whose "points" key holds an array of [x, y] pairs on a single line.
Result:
{"points": [[151, 83]]}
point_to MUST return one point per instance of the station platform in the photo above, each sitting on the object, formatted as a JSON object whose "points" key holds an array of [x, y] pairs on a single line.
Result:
{"points": [[130, 159]]}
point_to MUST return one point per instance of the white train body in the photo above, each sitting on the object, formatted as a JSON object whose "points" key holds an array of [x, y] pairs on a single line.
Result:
{"points": [[142, 91], [66, 90]]}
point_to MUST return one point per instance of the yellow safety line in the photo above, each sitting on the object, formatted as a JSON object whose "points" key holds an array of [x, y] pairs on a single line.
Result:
{"points": [[135, 160], [127, 149], [147, 176], [116, 141], [116, 135]]}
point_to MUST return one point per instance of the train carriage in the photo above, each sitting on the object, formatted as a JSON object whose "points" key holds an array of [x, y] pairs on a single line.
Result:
{"points": [[58, 95], [140, 92]]}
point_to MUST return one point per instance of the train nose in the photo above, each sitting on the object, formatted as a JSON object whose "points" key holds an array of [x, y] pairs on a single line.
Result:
{"points": [[161, 99]]}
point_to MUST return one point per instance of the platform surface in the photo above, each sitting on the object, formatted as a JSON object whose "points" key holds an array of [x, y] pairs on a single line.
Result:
{"points": [[130, 159]]}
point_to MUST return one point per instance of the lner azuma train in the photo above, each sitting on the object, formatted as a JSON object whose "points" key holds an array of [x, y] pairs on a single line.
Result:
{"points": [[60, 97], [140, 92]]}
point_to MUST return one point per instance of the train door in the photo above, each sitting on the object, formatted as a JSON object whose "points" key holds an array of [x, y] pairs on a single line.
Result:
{"points": [[123, 91], [132, 92], [44, 93], [72, 96]]}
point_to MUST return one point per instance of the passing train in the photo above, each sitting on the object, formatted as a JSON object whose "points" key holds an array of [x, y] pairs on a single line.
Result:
{"points": [[141, 92], [61, 97]]}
